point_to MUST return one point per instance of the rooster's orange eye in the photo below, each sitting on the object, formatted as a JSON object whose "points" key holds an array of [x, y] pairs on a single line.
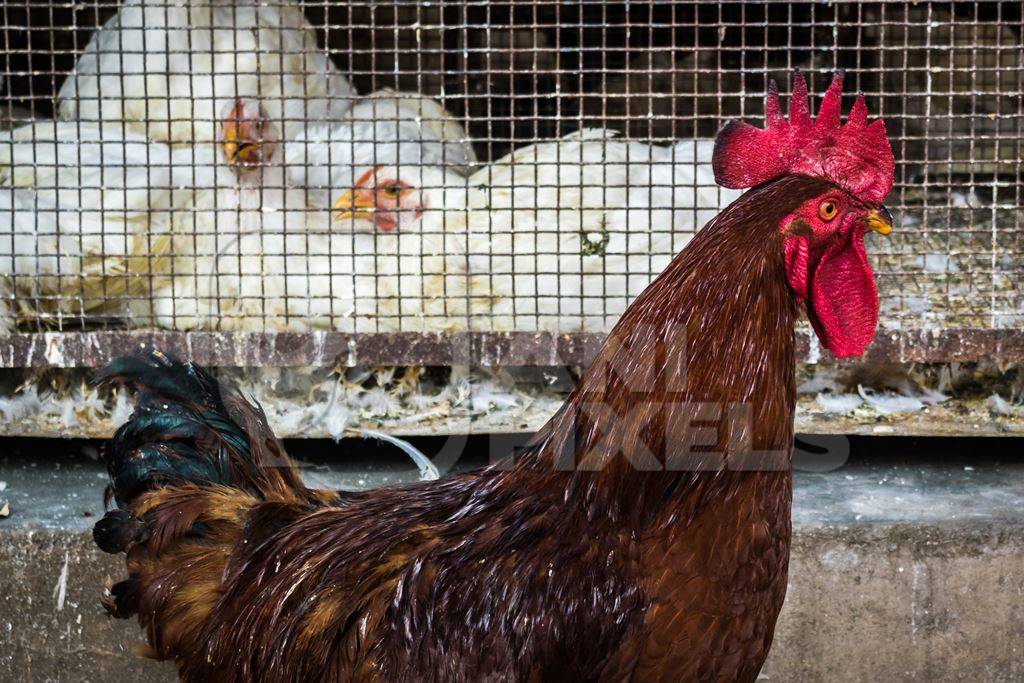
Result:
{"points": [[392, 189], [827, 210]]}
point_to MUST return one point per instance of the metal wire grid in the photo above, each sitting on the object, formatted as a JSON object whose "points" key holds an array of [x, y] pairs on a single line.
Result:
{"points": [[946, 77]]}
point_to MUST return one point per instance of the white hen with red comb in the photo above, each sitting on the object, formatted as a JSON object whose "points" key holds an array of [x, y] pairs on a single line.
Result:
{"points": [[557, 236], [386, 128], [260, 259], [167, 69], [231, 241], [276, 263]]}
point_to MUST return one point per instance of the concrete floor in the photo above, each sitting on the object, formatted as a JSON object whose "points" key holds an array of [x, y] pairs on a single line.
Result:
{"points": [[900, 571]]}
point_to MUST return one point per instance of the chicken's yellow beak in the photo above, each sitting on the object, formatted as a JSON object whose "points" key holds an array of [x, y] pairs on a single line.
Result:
{"points": [[354, 204], [239, 150], [879, 221]]}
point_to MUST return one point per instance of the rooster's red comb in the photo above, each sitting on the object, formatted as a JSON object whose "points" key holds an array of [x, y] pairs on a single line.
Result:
{"points": [[855, 156]]}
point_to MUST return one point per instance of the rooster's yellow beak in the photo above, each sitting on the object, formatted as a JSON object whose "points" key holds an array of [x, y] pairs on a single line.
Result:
{"points": [[354, 204], [879, 221]]}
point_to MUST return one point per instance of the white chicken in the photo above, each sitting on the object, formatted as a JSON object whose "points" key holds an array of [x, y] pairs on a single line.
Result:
{"points": [[557, 236], [302, 281], [386, 128], [167, 68], [262, 260], [85, 215]]}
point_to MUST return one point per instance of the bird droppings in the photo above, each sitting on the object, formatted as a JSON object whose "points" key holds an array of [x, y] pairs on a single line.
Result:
{"points": [[841, 404], [61, 589], [1001, 406], [889, 404]]}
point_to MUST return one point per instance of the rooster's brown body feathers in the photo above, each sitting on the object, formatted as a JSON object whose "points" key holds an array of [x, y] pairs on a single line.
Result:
{"points": [[642, 535]]}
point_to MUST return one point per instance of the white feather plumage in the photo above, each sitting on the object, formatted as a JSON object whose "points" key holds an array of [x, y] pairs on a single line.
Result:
{"points": [[167, 69], [385, 128], [315, 279], [561, 235], [263, 259], [568, 232], [85, 213]]}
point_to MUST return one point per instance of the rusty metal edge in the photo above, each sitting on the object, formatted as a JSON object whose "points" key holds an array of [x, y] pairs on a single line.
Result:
{"points": [[327, 349]]}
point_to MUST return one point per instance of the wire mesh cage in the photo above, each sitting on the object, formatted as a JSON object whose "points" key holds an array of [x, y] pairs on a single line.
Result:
{"points": [[411, 167]]}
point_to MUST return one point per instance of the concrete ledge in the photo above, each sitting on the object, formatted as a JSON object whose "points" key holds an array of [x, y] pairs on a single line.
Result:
{"points": [[899, 572], [45, 638], [903, 603]]}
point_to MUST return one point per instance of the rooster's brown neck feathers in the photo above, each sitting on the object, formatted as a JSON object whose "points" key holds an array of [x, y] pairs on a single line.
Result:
{"points": [[698, 373]]}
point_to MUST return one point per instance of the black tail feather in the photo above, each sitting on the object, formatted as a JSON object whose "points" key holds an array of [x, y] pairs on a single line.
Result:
{"points": [[161, 374], [186, 471], [181, 430]]}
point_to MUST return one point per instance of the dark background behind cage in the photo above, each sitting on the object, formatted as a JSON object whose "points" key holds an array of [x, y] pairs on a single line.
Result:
{"points": [[527, 70]]}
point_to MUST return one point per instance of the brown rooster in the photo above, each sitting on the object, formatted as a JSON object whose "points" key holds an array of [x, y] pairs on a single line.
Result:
{"points": [[644, 532]]}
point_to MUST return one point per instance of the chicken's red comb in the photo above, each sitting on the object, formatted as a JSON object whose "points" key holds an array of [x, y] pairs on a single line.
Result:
{"points": [[855, 156]]}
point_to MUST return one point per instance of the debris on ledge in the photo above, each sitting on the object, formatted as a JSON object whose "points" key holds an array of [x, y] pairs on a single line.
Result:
{"points": [[945, 399]]}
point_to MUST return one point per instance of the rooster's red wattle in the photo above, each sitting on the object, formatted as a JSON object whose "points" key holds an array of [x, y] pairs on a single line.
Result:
{"points": [[643, 534]]}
